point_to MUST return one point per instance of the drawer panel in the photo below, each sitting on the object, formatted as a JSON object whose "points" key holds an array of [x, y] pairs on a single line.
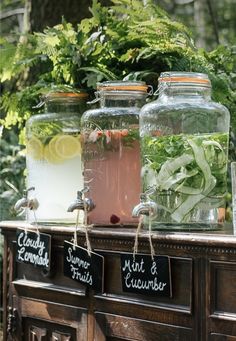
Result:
{"points": [[181, 273], [221, 337], [115, 327], [52, 280], [223, 289]]}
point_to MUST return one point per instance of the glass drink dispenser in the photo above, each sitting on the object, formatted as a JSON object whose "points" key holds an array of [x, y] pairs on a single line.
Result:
{"points": [[53, 156], [184, 143], [111, 152]]}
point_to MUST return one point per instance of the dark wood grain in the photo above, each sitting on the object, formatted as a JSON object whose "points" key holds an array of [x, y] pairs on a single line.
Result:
{"points": [[202, 307]]}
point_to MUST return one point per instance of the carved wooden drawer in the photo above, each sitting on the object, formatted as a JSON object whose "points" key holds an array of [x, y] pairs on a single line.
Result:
{"points": [[223, 289], [181, 300], [119, 328], [221, 337], [44, 321], [28, 278], [49, 306]]}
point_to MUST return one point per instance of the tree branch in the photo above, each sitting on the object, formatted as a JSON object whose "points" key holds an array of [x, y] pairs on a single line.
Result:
{"points": [[12, 12], [214, 21]]}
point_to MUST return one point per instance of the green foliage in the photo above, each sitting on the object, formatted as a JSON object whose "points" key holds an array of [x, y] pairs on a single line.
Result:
{"points": [[223, 60], [188, 170], [12, 179], [123, 41], [223, 77]]}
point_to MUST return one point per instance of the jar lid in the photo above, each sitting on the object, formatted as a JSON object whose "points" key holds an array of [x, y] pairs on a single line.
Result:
{"points": [[58, 94], [122, 86], [185, 78]]}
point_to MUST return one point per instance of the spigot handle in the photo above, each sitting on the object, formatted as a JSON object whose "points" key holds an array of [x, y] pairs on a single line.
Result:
{"points": [[80, 193], [26, 191], [143, 197], [33, 204], [85, 189]]}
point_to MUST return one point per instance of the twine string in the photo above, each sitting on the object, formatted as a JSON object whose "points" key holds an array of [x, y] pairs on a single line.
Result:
{"points": [[76, 228], [86, 227], [26, 212], [36, 221], [150, 237], [135, 248]]}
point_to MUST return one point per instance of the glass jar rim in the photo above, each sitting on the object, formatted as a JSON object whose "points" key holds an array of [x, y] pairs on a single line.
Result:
{"points": [[61, 94], [185, 78], [138, 86]]}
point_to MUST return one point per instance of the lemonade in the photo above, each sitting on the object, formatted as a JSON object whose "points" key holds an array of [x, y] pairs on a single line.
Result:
{"points": [[53, 156], [54, 169]]}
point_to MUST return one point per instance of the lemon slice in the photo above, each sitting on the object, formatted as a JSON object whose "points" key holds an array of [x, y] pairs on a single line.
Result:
{"points": [[34, 148], [50, 154], [53, 151], [67, 146]]}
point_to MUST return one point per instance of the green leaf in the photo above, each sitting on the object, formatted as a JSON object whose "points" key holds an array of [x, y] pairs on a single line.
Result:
{"points": [[101, 71]]}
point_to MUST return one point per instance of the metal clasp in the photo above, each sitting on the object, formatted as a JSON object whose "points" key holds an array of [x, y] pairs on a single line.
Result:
{"points": [[162, 87], [96, 99], [11, 320]]}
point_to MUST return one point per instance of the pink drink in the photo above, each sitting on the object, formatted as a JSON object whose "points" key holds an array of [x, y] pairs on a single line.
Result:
{"points": [[112, 172]]}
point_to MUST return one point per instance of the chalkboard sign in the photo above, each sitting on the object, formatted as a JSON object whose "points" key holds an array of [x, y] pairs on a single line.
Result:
{"points": [[85, 269], [33, 248], [143, 275]]}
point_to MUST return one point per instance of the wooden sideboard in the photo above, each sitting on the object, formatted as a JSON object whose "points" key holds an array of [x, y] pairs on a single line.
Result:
{"points": [[40, 305]]}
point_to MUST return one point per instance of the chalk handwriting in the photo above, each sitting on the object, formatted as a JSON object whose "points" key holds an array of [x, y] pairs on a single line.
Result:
{"points": [[144, 275], [33, 248]]}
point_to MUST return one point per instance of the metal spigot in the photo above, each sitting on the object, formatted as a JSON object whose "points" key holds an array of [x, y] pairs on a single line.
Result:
{"points": [[145, 207], [25, 202], [80, 203]]}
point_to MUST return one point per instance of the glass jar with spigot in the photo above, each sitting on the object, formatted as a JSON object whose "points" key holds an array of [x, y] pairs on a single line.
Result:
{"points": [[111, 151], [53, 155], [184, 139]]}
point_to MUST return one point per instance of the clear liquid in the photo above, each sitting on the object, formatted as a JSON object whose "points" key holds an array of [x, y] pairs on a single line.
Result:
{"points": [[177, 208], [233, 184], [234, 215], [55, 188]]}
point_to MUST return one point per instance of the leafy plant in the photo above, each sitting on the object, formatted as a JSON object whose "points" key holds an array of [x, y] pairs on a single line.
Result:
{"points": [[123, 41], [223, 60], [12, 179], [185, 171]]}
